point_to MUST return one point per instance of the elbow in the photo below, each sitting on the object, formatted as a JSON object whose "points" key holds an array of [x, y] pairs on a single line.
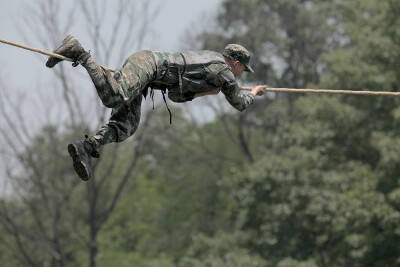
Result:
{"points": [[238, 106]]}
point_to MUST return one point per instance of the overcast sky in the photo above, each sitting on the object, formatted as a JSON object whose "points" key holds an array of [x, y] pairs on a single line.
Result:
{"points": [[23, 71], [29, 83], [174, 17]]}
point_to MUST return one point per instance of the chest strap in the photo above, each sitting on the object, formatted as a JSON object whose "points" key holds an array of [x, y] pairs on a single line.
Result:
{"points": [[181, 71]]}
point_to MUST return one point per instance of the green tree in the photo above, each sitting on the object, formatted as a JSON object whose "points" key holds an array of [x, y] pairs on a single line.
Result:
{"points": [[369, 60], [327, 193], [305, 204]]}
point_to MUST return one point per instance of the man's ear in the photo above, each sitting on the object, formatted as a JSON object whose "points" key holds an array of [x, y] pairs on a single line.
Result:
{"points": [[235, 62]]}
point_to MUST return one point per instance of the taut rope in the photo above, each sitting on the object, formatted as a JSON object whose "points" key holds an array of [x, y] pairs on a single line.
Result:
{"points": [[325, 91], [291, 90]]}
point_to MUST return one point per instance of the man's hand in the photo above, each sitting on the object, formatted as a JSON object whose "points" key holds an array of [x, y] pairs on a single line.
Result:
{"points": [[259, 90], [212, 92]]}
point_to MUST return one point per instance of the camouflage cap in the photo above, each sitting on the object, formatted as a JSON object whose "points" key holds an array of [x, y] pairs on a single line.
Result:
{"points": [[238, 52]]}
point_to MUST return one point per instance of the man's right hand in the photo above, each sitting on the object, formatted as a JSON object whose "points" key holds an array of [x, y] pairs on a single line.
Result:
{"points": [[259, 90]]}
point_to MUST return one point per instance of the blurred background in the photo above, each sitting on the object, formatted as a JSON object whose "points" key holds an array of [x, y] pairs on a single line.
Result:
{"points": [[297, 180]]}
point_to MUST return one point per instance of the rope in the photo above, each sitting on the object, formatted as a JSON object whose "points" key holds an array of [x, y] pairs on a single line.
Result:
{"points": [[291, 90], [325, 91], [44, 52]]}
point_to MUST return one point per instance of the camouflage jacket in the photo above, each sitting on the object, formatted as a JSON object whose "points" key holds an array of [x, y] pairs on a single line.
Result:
{"points": [[185, 74]]}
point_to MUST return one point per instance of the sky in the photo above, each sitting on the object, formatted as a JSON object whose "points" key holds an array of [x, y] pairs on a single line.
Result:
{"points": [[174, 17], [23, 71], [25, 78]]}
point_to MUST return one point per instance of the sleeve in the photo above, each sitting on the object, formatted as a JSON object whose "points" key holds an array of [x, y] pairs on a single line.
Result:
{"points": [[231, 90]]}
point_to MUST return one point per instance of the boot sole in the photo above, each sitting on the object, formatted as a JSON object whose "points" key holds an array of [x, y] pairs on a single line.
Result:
{"points": [[54, 61], [79, 166]]}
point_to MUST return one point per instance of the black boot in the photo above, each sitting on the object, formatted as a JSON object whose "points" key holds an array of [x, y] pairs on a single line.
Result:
{"points": [[70, 47], [81, 151]]}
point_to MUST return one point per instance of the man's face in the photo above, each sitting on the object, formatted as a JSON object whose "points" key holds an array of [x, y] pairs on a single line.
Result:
{"points": [[237, 68]]}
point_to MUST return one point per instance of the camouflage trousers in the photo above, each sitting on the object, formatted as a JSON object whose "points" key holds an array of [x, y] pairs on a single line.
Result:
{"points": [[123, 93]]}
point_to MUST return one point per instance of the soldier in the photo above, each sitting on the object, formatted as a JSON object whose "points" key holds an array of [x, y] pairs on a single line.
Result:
{"points": [[185, 75]]}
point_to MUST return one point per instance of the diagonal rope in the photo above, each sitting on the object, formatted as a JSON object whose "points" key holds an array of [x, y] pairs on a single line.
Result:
{"points": [[290, 90], [43, 52]]}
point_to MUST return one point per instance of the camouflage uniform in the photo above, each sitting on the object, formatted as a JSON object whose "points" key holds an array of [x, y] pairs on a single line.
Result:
{"points": [[183, 74]]}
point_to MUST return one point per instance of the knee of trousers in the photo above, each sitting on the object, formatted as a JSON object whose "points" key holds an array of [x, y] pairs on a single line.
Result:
{"points": [[111, 93], [112, 100], [125, 126], [112, 103]]}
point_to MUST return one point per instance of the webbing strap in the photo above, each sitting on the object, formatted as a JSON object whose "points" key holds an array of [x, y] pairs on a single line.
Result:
{"points": [[165, 101]]}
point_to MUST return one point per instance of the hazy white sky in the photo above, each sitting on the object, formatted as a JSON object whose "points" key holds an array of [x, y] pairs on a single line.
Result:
{"points": [[174, 17], [22, 70]]}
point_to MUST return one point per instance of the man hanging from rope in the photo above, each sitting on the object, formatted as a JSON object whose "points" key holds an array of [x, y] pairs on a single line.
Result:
{"points": [[185, 75]]}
